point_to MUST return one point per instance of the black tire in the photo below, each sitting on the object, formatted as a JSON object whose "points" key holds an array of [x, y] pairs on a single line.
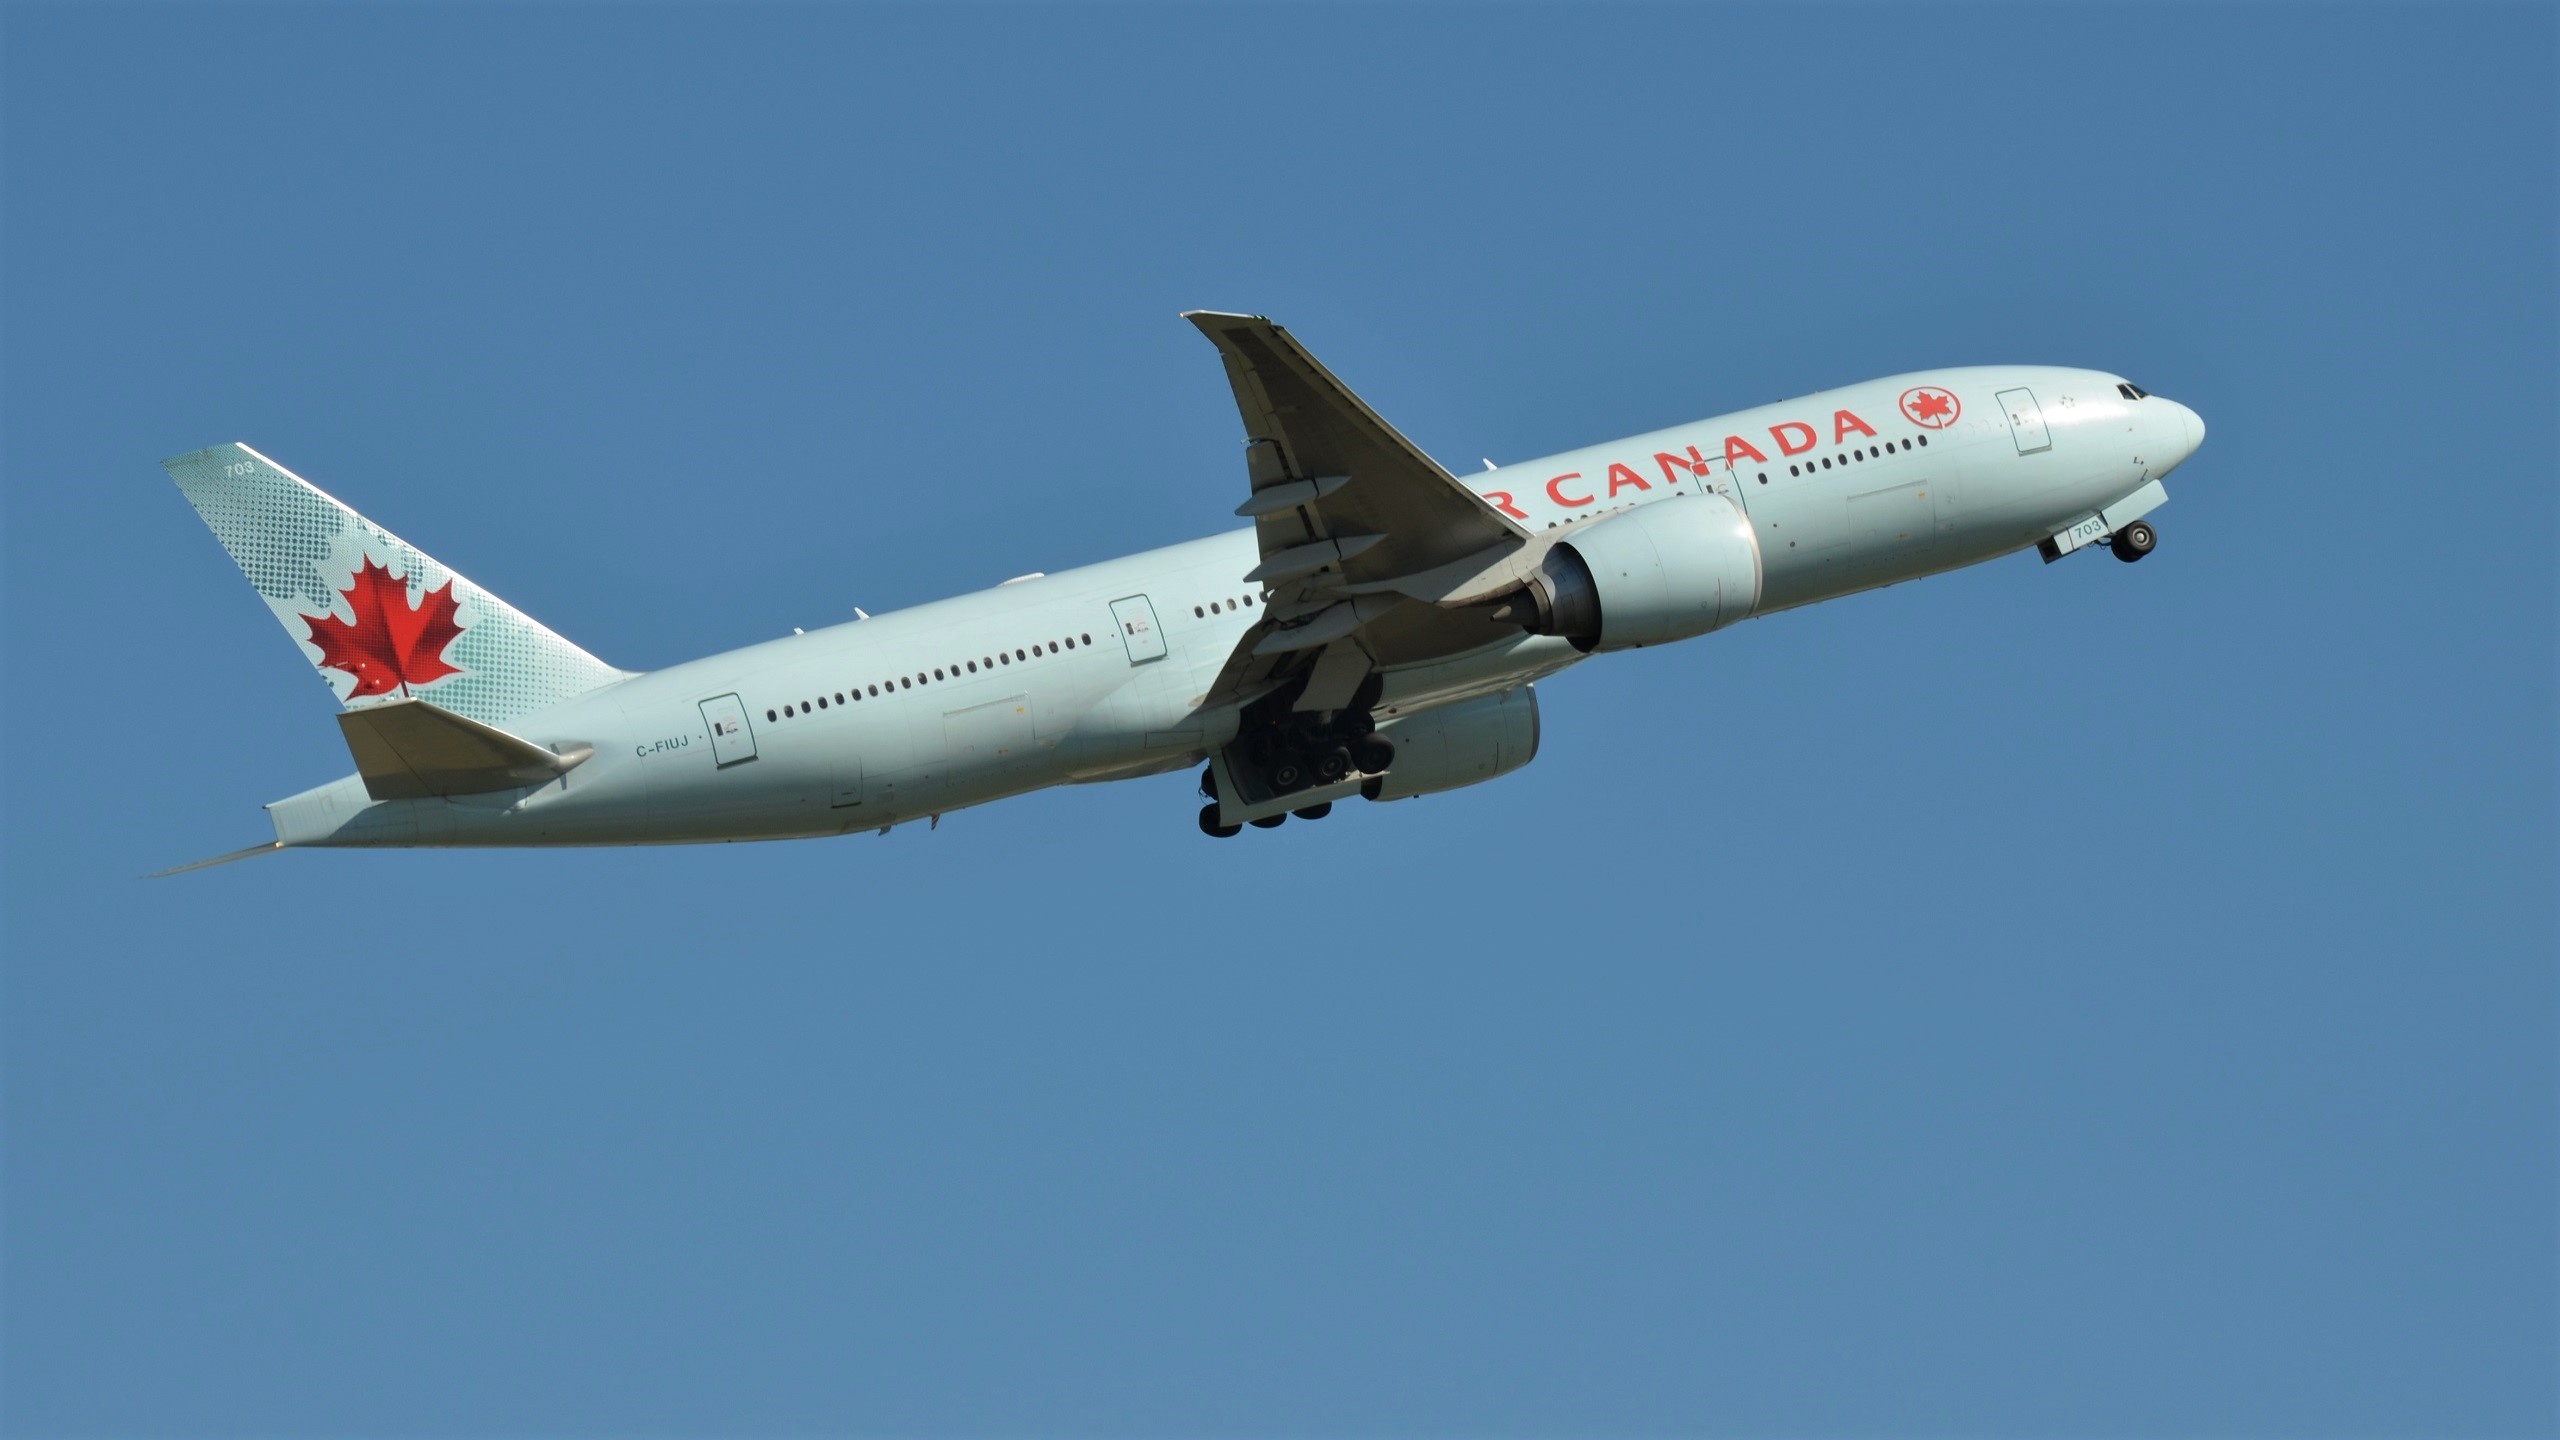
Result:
{"points": [[1287, 772], [1317, 811], [1332, 765], [1208, 782], [2135, 541], [1373, 754], [1270, 822], [1209, 825]]}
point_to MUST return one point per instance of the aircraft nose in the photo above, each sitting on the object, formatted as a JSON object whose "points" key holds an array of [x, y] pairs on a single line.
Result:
{"points": [[2182, 433]]}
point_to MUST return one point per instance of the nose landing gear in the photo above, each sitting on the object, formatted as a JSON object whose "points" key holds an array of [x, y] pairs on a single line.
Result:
{"points": [[2134, 541]]}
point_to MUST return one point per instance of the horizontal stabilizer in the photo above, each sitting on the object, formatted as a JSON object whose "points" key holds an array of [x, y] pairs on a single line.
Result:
{"points": [[411, 749]]}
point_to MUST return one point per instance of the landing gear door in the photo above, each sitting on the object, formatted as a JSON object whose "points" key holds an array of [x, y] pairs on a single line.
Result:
{"points": [[1138, 629], [732, 739]]}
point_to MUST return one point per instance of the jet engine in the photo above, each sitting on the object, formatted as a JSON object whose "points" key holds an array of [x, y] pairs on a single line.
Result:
{"points": [[1460, 744], [1644, 576]]}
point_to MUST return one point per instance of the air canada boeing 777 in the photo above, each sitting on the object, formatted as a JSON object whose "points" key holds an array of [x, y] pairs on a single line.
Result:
{"points": [[1377, 629]]}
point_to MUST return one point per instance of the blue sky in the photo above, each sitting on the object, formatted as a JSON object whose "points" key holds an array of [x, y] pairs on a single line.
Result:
{"points": [[2079, 999]]}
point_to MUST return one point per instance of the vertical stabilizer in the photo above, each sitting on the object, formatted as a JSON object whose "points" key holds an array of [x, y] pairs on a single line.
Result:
{"points": [[379, 619]]}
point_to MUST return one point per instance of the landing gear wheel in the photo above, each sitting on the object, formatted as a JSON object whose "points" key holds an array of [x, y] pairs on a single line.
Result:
{"points": [[1288, 772], [1373, 754], [1332, 765], [1208, 782], [1270, 822], [1316, 811], [1209, 824], [2134, 541]]}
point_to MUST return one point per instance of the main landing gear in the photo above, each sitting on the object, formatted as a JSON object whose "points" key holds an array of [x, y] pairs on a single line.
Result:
{"points": [[1209, 819], [1302, 753], [2134, 541]]}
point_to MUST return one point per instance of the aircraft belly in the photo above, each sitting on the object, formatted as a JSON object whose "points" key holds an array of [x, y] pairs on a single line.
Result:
{"points": [[1147, 724]]}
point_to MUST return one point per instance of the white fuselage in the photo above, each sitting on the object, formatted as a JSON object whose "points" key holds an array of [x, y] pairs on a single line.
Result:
{"points": [[1039, 682]]}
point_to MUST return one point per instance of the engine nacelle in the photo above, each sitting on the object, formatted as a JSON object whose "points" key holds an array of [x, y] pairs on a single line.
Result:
{"points": [[1461, 744], [1657, 573]]}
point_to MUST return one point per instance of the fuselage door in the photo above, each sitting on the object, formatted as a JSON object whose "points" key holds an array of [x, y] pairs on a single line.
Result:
{"points": [[732, 739], [1718, 477], [2026, 421], [1138, 629]]}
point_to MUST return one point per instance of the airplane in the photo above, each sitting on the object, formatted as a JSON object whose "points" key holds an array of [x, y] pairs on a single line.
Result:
{"points": [[1378, 630]]}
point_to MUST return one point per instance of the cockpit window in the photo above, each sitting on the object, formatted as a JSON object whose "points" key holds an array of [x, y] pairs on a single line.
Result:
{"points": [[2131, 391]]}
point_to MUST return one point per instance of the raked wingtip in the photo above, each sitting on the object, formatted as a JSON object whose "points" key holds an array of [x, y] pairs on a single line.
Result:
{"points": [[267, 849]]}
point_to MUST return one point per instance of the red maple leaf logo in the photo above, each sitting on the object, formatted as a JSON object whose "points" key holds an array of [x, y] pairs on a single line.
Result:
{"points": [[1926, 405], [389, 646]]}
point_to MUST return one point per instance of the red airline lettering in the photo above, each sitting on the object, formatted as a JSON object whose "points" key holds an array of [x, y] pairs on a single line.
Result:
{"points": [[1780, 431], [1502, 501], [1735, 447], [1696, 464], [1842, 422], [1620, 477], [1556, 493]]}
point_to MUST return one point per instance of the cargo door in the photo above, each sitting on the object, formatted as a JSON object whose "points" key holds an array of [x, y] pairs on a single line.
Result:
{"points": [[1138, 629], [992, 736], [732, 739], [2026, 420], [848, 780], [1892, 522], [1945, 496]]}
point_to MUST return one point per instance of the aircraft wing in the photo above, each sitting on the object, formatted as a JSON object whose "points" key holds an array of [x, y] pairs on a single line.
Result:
{"points": [[1364, 538]]}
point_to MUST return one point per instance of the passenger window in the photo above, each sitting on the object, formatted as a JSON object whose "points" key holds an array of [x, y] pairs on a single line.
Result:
{"points": [[769, 715], [1924, 441], [1248, 600], [822, 702], [1088, 639], [1053, 647], [1018, 655], [973, 667], [1199, 614]]}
